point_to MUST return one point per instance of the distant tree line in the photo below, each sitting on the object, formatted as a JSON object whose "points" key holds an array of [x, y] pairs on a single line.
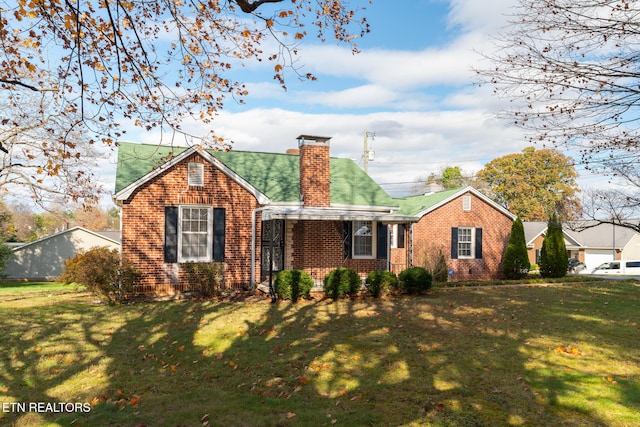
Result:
{"points": [[20, 223]]}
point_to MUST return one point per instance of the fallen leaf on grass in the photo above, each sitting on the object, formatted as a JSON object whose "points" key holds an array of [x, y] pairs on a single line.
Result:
{"points": [[290, 415], [561, 349]]}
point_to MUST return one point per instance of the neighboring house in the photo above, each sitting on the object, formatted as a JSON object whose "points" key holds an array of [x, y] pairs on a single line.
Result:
{"points": [[257, 213], [594, 245], [43, 259], [466, 227]]}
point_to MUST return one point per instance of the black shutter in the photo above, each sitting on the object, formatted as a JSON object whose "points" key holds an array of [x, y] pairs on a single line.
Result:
{"points": [[219, 215], [400, 237], [382, 241], [454, 243], [171, 234], [346, 239], [478, 243]]}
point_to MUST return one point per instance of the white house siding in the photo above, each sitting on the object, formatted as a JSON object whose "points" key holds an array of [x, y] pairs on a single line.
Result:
{"points": [[632, 249], [44, 258]]}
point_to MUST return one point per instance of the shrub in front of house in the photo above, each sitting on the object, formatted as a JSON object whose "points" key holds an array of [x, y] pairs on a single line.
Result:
{"points": [[293, 284], [440, 271], [204, 277], [380, 283], [415, 280], [553, 260], [104, 272], [5, 252], [515, 263], [342, 282]]}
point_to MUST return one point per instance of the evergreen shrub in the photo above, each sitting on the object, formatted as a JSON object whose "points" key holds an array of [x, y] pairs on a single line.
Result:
{"points": [[515, 263], [553, 255], [415, 280], [342, 282], [293, 284], [380, 283]]}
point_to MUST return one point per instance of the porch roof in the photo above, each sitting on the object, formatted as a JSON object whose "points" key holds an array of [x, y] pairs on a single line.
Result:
{"points": [[329, 214]]}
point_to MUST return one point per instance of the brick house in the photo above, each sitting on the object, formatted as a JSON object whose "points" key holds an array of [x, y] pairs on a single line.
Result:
{"points": [[470, 230], [257, 213]]}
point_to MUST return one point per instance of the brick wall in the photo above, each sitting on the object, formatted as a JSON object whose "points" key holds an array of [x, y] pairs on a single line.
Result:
{"points": [[317, 249], [143, 226], [432, 235], [315, 173]]}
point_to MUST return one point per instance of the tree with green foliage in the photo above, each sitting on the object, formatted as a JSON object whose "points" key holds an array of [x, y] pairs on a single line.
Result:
{"points": [[535, 183], [5, 252], [449, 177], [515, 264], [553, 255]]}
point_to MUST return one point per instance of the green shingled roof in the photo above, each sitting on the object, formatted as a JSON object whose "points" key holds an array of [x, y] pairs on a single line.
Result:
{"points": [[274, 175], [413, 205]]}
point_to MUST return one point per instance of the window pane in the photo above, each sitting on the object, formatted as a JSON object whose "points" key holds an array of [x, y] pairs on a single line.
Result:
{"points": [[465, 242], [363, 238], [195, 233]]}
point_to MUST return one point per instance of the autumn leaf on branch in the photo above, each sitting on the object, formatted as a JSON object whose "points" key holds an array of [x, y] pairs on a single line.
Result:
{"points": [[149, 64]]}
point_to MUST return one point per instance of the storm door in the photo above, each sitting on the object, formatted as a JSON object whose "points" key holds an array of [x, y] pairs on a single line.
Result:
{"points": [[272, 244]]}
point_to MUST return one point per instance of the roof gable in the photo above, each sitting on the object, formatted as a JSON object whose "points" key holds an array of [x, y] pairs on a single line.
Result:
{"points": [[69, 231], [274, 175], [422, 204]]}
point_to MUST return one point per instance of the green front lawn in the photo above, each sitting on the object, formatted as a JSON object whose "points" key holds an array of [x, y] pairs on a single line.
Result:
{"points": [[560, 355]]}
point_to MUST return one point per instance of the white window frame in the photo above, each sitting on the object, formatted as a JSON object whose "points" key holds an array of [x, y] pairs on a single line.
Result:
{"points": [[464, 244], [195, 174], [466, 203], [208, 256], [374, 238]]}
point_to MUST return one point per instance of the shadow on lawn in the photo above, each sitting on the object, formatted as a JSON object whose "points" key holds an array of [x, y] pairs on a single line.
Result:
{"points": [[442, 359]]}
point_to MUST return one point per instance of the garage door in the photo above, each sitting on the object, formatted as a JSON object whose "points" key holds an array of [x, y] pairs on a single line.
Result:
{"points": [[594, 258]]}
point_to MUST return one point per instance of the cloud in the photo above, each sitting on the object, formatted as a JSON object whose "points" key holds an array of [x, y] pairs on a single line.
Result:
{"points": [[408, 145], [422, 104]]}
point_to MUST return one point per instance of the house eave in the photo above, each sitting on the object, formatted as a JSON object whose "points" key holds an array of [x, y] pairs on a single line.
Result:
{"points": [[331, 214]]}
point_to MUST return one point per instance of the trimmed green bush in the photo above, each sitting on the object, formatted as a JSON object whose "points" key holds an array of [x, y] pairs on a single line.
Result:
{"points": [[553, 255], [380, 283], [204, 277], [293, 284], [104, 272], [515, 263], [342, 282], [415, 280]]}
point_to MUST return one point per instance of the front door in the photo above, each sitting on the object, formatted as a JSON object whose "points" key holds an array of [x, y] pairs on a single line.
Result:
{"points": [[272, 244]]}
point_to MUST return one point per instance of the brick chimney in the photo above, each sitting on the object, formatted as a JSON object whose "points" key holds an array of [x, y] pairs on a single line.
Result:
{"points": [[315, 174]]}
